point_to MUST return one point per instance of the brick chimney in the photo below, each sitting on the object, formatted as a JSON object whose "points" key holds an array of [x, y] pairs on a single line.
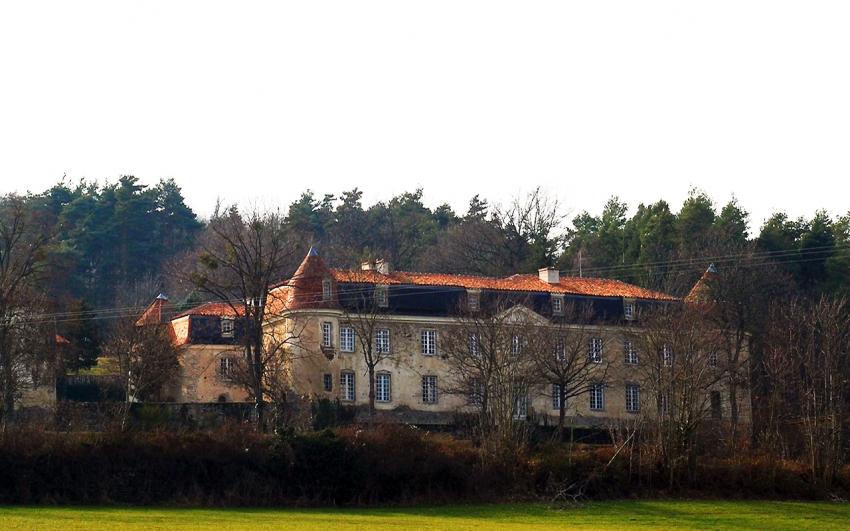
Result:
{"points": [[549, 275]]}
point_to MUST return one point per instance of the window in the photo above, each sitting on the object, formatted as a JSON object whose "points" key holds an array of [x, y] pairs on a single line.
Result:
{"points": [[225, 366], [327, 288], [382, 341], [557, 304], [630, 352], [667, 356], [474, 347], [597, 397], [476, 392], [327, 334], [712, 358], [382, 297], [632, 398], [346, 385], [629, 311], [383, 387], [473, 300], [346, 338], [664, 405], [328, 382], [560, 350], [595, 353], [716, 405], [227, 327], [556, 397], [429, 389], [516, 345], [521, 406], [428, 342]]}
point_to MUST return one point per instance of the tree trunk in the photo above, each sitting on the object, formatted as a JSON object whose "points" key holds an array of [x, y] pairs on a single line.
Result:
{"points": [[562, 413], [371, 368]]}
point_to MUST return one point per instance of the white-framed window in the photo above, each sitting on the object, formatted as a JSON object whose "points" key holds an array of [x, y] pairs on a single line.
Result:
{"points": [[558, 304], [346, 385], [382, 296], [382, 341], [595, 350], [632, 398], [666, 355], [597, 397], [473, 300], [629, 310], [227, 327], [346, 338], [327, 289], [516, 345], [429, 389], [556, 396], [630, 352], [664, 405], [474, 346], [560, 349], [225, 366], [712, 358], [428, 342], [327, 334], [383, 387], [521, 406], [328, 382], [476, 392]]}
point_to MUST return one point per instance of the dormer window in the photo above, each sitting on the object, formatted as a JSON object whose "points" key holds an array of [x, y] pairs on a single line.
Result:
{"points": [[382, 298], [473, 300], [227, 327], [557, 305], [629, 310], [327, 288]]}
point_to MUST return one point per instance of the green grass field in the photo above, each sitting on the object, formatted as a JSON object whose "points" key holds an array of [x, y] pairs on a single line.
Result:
{"points": [[603, 515]]}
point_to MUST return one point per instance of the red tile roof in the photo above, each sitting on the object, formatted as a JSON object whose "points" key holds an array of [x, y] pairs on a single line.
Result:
{"points": [[212, 309], [593, 287]]}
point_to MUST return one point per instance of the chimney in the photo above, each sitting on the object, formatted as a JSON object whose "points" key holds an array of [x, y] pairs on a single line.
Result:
{"points": [[368, 265], [383, 266], [549, 275]]}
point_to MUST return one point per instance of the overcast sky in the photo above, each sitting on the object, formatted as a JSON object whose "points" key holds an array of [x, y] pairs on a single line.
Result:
{"points": [[256, 101]]}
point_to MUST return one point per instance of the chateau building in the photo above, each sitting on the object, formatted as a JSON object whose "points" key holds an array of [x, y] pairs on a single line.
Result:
{"points": [[323, 314]]}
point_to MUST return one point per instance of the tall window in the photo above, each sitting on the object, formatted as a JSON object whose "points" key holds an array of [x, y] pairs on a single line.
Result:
{"points": [[595, 353], [474, 347], [382, 341], [476, 392], [326, 289], [560, 349], [521, 406], [346, 385], [629, 311], [516, 345], [632, 398], [597, 397], [556, 396], [328, 382], [429, 389], [667, 355], [225, 366], [327, 334], [428, 342], [712, 358], [664, 405], [631, 353], [227, 327], [716, 405], [382, 297], [383, 387], [346, 338]]}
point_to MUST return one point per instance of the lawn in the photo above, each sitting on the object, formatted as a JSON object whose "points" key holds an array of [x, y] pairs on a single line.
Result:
{"points": [[603, 515]]}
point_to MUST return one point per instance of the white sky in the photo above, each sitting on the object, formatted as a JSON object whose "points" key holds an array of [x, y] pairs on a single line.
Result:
{"points": [[258, 101]]}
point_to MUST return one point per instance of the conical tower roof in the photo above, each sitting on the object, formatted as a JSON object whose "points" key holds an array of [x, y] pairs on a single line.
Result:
{"points": [[701, 292]]}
